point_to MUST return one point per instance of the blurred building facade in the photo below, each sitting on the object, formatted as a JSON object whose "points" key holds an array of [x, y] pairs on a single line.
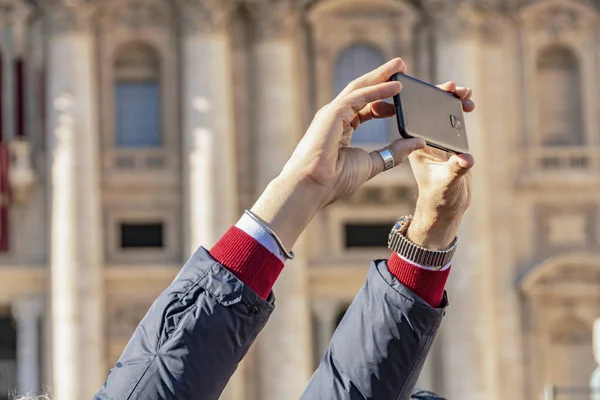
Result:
{"points": [[133, 131]]}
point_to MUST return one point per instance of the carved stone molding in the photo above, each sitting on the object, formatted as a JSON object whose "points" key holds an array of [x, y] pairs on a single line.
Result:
{"points": [[204, 16], [571, 274], [567, 229], [571, 331], [558, 19], [378, 196], [64, 130], [67, 18], [13, 12], [125, 318], [136, 14], [463, 19], [561, 228], [274, 19]]}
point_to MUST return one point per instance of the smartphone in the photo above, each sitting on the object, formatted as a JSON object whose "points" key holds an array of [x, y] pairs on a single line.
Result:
{"points": [[423, 110]]}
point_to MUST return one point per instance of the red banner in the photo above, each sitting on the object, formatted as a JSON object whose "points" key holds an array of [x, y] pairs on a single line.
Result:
{"points": [[4, 196]]}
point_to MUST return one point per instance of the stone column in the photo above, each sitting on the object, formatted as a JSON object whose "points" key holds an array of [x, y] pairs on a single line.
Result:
{"points": [[595, 378], [8, 84], [325, 311], [285, 348], [27, 313], [209, 137], [74, 187], [457, 50], [210, 167]]}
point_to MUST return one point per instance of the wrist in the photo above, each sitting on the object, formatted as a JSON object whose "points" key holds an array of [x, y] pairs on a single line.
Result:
{"points": [[433, 231], [287, 205]]}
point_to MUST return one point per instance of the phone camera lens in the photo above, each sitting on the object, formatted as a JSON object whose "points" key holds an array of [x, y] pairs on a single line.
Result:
{"points": [[456, 122]]}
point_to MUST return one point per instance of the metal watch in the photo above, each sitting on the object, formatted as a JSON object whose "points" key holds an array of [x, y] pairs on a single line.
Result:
{"points": [[398, 242]]}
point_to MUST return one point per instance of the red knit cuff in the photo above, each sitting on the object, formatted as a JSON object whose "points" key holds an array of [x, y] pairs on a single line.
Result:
{"points": [[248, 260], [428, 285]]}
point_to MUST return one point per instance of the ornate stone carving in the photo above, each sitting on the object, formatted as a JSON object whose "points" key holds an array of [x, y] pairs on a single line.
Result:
{"points": [[571, 274], [204, 15], [69, 17], [126, 317], [561, 228], [274, 18], [558, 19], [390, 195], [136, 14], [63, 132], [567, 229], [466, 19], [571, 331], [15, 13], [21, 175]]}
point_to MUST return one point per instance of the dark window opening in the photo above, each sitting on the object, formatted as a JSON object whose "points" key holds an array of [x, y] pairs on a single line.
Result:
{"points": [[367, 235], [340, 316], [8, 355], [148, 235]]}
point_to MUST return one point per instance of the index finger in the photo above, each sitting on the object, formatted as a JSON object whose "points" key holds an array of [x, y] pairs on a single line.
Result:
{"points": [[357, 100], [380, 75]]}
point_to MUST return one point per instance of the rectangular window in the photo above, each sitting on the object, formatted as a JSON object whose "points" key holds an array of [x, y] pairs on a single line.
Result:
{"points": [[147, 235], [137, 114], [367, 234]]}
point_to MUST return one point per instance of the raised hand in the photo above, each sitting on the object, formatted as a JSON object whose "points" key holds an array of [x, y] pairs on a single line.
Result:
{"points": [[324, 155], [324, 167], [444, 182]]}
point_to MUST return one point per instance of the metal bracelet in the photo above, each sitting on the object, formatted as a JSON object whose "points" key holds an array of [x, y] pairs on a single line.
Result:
{"points": [[288, 254]]}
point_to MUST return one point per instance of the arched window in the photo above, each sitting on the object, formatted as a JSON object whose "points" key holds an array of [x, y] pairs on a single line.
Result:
{"points": [[137, 97], [352, 62], [559, 98]]}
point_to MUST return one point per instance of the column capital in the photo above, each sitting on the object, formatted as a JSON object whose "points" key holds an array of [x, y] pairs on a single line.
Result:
{"points": [[274, 18], [13, 11], [29, 307], [466, 19], [327, 309], [204, 16], [69, 16], [136, 14]]}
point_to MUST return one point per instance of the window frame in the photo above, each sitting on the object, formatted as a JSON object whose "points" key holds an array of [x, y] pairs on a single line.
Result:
{"points": [[581, 42], [142, 214], [337, 24], [540, 135], [389, 123], [155, 143], [112, 38], [342, 214]]}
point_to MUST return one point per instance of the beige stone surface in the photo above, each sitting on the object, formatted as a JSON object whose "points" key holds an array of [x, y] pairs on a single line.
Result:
{"points": [[239, 83]]}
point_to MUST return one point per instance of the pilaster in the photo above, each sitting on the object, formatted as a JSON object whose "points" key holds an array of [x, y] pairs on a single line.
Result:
{"points": [[75, 233], [282, 346], [27, 313]]}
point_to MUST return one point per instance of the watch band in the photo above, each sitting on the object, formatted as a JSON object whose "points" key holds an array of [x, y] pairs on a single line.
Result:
{"points": [[398, 242]]}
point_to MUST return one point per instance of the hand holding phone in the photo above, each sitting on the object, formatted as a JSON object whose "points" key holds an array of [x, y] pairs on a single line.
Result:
{"points": [[425, 111]]}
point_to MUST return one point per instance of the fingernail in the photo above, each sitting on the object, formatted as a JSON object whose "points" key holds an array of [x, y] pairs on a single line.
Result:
{"points": [[463, 163]]}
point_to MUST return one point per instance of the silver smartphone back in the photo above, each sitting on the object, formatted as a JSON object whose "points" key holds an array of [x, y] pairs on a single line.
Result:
{"points": [[424, 111]]}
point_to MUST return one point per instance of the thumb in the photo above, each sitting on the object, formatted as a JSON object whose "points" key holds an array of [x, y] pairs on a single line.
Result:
{"points": [[400, 149], [460, 164]]}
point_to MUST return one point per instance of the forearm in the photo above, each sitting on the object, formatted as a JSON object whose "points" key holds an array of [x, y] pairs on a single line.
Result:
{"points": [[379, 348], [192, 338], [287, 205]]}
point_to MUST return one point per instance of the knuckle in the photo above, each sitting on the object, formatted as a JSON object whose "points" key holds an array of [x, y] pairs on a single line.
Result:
{"points": [[353, 84], [323, 110]]}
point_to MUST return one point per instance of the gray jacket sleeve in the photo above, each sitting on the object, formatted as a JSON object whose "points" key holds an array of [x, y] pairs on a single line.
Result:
{"points": [[191, 340], [378, 349]]}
